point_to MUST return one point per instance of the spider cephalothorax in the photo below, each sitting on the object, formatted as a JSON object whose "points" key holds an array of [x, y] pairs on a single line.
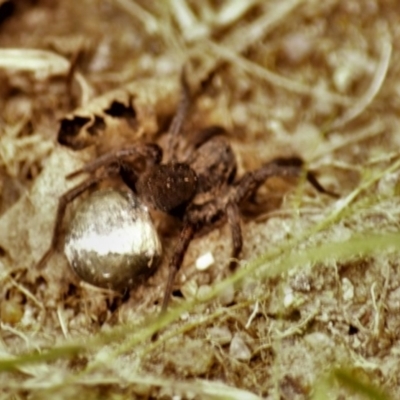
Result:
{"points": [[200, 190]]}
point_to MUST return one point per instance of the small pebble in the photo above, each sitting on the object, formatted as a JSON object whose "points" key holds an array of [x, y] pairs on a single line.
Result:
{"points": [[203, 292], [205, 261], [11, 312], [297, 47], [227, 295], [347, 290], [189, 289], [238, 349], [190, 357], [220, 334], [289, 299]]}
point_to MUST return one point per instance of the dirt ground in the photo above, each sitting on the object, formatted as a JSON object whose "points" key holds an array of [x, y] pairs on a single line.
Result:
{"points": [[312, 310]]}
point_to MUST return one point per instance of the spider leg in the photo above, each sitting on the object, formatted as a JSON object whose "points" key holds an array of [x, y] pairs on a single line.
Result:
{"points": [[179, 117], [232, 213], [250, 181], [310, 176], [63, 201], [175, 263], [149, 152], [314, 182], [206, 134]]}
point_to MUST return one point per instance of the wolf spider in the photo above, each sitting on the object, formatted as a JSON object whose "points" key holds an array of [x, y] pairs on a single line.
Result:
{"points": [[200, 190]]}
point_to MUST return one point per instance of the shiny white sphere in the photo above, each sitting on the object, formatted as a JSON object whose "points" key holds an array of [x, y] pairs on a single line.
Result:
{"points": [[111, 241]]}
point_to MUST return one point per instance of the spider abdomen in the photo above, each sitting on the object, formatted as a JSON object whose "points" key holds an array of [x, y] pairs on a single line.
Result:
{"points": [[168, 187]]}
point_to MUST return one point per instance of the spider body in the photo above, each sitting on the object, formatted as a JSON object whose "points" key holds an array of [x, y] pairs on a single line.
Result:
{"points": [[199, 190], [168, 187]]}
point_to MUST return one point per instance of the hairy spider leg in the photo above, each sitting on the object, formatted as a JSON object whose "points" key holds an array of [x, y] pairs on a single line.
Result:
{"points": [[314, 182], [63, 202], [175, 263], [206, 134], [310, 176], [149, 151], [233, 216], [249, 183], [179, 118]]}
